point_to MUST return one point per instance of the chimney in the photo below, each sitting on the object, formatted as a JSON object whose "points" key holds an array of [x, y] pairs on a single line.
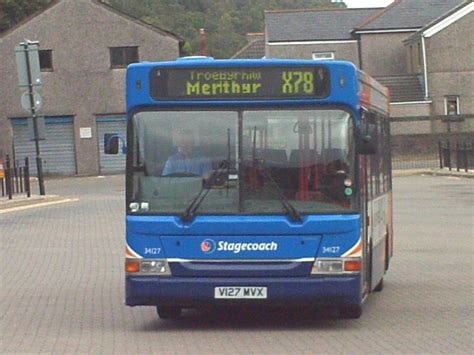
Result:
{"points": [[203, 43]]}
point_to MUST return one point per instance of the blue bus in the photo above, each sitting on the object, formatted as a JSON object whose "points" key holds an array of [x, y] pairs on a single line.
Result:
{"points": [[256, 182]]}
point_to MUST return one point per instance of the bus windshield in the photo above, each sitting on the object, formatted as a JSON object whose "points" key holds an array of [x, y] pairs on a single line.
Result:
{"points": [[248, 162]]}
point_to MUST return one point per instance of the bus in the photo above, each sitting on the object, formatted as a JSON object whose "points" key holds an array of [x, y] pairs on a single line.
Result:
{"points": [[256, 182]]}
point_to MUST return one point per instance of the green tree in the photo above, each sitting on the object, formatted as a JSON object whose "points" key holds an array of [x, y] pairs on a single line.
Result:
{"points": [[13, 11]]}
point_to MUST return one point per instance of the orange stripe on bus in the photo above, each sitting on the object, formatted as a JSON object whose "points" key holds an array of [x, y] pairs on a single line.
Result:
{"points": [[357, 249]]}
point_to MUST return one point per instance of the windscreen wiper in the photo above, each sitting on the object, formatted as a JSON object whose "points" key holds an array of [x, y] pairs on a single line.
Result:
{"points": [[290, 209], [188, 214]]}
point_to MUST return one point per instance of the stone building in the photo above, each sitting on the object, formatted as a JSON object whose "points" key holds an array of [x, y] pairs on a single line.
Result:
{"points": [[423, 50], [85, 46], [254, 49], [314, 34]]}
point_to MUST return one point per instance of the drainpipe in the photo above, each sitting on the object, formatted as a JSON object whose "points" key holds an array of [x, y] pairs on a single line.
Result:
{"points": [[359, 50], [425, 69]]}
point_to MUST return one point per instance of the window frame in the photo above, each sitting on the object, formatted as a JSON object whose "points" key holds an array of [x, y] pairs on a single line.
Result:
{"points": [[331, 54], [124, 56], [450, 98], [133, 157]]}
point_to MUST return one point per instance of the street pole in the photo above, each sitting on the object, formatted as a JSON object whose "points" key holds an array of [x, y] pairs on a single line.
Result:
{"points": [[39, 163]]}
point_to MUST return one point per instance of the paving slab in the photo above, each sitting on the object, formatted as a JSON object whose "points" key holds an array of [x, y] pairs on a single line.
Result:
{"points": [[433, 172], [18, 201], [62, 285]]}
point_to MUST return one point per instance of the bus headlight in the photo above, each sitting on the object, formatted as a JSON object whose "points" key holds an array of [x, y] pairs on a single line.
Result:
{"points": [[156, 267], [148, 267], [336, 266], [328, 266]]}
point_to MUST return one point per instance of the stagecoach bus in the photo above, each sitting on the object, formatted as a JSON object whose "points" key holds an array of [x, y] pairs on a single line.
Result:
{"points": [[256, 182]]}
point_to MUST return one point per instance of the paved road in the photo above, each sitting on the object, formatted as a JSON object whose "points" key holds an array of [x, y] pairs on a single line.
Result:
{"points": [[62, 284]]}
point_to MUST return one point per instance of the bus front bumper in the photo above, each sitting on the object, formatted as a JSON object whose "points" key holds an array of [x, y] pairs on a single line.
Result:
{"points": [[199, 292]]}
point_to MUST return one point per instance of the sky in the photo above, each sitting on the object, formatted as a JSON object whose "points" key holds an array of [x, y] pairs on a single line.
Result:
{"points": [[367, 3]]}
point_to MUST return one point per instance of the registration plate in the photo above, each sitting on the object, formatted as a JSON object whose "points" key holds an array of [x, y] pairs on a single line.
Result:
{"points": [[240, 292]]}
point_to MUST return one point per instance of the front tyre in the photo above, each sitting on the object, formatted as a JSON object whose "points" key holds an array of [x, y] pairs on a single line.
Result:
{"points": [[379, 286], [167, 312], [351, 311]]}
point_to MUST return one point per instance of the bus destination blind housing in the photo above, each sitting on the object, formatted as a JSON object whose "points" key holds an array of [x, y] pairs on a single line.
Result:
{"points": [[305, 82]]}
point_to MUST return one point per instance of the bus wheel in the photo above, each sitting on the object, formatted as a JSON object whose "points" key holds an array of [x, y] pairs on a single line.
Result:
{"points": [[379, 286], [168, 312], [352, 311]]}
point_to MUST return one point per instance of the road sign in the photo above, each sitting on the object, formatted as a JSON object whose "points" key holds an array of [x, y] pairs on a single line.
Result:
{"points": [[30, 49], [26, 103], [29, 75]]}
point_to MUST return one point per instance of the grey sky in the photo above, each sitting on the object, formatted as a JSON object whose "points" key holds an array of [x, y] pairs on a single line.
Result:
{"points": [[367, 3]]}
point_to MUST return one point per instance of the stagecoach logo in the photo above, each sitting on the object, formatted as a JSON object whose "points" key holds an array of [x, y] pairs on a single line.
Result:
{"points": [[208, 246]]}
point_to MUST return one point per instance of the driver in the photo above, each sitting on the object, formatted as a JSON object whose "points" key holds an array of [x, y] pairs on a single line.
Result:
{"points": [[186, 160]]}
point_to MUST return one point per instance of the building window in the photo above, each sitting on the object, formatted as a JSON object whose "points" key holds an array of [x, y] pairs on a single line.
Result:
{"points": [[120, 57], [46, 59], [323, 56], [451, 104]]}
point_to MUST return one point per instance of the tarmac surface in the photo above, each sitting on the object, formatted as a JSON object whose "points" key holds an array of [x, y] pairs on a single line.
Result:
{"points": [[62, 284]]}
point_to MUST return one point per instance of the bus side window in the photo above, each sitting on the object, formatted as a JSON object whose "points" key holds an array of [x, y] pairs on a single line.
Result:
{"points": [[371, 119], [380, 153], [388, 163]]}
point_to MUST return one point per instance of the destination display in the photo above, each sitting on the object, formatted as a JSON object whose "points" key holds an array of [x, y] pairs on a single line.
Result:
{"points": [[240, 83]]}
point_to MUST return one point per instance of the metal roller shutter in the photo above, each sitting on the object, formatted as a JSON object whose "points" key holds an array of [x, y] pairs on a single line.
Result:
{"points": [[116, 125], [57, 150]]}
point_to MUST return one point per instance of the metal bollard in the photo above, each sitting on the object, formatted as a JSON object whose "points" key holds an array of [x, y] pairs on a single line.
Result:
{"points": [[8, 178], [440, 152], [20, 176], [27, 177], [466, 163], [458, 154], [448, 145]]}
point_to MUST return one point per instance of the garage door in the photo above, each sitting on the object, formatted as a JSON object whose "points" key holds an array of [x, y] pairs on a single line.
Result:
{"points": [[108, 126], [57, 150]]}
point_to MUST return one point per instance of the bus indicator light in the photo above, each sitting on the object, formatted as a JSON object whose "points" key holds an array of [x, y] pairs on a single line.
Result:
{"points": [[353, 265], [132, 266]]}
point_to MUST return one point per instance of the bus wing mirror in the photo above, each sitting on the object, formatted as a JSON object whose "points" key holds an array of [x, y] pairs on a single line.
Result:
{"points": [[367, 139], [111, 143]]}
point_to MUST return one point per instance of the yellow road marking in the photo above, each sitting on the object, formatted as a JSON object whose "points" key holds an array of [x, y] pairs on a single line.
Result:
{"points": [[42, 204]]}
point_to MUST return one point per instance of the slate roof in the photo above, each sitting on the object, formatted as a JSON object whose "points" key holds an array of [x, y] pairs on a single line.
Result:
{"points": [[404, 14], [106, 6], [253, 50], [406, 88], [437, 20], [314, 24]]}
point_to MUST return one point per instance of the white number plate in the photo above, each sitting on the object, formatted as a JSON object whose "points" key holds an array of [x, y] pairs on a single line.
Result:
{"points": [[241, 292]]}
